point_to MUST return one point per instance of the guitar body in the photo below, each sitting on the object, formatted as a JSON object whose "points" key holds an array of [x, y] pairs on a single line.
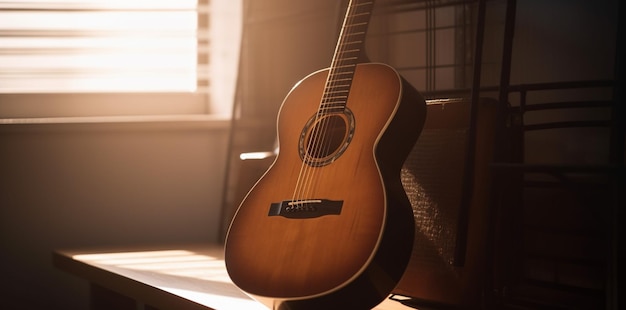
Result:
{"points": [[348, 240]]}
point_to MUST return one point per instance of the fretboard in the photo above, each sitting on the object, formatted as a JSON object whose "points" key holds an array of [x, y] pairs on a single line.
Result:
{"points": [[348, 53]]}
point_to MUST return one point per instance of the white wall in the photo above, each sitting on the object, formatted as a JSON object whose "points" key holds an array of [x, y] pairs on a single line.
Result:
{"points": [[84, 185]]}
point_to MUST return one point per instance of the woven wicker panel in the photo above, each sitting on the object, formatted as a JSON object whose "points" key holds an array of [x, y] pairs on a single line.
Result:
{"points": [[432, 177]]}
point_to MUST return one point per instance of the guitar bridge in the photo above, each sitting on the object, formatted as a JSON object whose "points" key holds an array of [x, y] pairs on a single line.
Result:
{"points": [[303, 209]]}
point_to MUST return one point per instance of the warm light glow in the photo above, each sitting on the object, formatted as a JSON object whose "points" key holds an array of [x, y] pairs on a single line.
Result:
{"points": [[98, 46], [103, 4], [195, 276], [170, 262], [219, 301], [255, 155]]}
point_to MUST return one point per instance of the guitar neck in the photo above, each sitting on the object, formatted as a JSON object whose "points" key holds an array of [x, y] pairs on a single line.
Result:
{"points": [[350, 50]]}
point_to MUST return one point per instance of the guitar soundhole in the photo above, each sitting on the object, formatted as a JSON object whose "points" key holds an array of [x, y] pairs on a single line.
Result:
{"points": [[324, 138]]}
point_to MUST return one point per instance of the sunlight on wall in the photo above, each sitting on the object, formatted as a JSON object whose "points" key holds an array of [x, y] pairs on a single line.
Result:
{"points": [[225, 31]]}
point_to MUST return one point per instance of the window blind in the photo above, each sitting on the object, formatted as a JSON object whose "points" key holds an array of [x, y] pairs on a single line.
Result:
{"points": [[49, 46]]}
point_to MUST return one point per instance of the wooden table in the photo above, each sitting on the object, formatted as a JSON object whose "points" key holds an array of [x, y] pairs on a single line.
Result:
{"points": [[172, 277]]}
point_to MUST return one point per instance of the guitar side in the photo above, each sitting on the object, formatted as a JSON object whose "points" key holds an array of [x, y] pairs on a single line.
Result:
{"points": [[362, 251]]}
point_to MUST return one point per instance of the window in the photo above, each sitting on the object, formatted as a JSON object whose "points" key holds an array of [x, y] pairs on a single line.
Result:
{"points": [[117, 57], [431, 43], [425, 42]]}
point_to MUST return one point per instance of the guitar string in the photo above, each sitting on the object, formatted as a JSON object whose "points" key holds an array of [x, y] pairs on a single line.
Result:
{"points": [[320, 130], [343, 74], [320, 145], [304, 178], [319, 142]]}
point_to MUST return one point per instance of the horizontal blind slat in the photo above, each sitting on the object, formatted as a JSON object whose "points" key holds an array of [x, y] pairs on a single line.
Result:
{"points": [[101, 45]]}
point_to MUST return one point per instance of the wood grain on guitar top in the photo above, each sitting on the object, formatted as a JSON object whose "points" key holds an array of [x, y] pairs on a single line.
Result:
{"points": [[304, 258]]}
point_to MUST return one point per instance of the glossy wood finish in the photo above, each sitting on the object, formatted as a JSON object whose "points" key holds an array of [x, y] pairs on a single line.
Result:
{"points": [[360, 254]]}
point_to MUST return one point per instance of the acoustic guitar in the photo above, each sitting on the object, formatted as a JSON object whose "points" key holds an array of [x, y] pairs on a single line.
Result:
{"points": [[329, 226]]}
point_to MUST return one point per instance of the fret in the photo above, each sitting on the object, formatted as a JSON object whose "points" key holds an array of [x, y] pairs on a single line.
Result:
{"points": [[347, 63], [340, 73], [351, 50], [362, 4], [345, 58], [343, 80], [360, 33], [345, 66], [356, 50], [337, 92], [349, 58], [331, 110], [356, 25], [334, 101], [337, 85], [361, 14], [334, 87], [334, 79], [337, 88], [333, 75], [335, 97], [332, 104], [331, 101], [351, 42]]}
